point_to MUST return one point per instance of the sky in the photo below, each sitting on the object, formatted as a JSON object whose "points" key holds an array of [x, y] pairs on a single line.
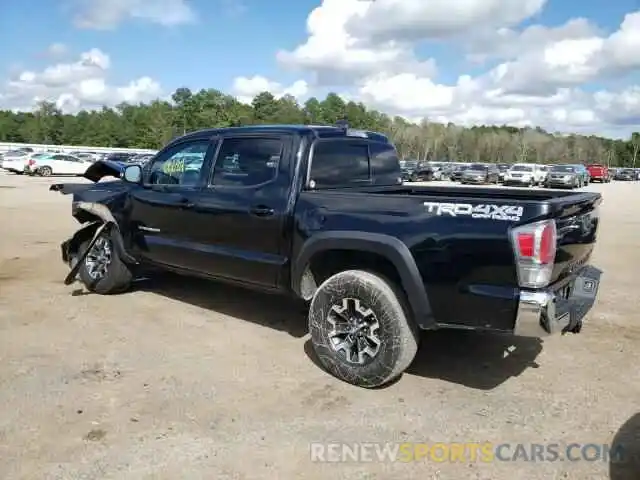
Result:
{"points": [[566, 66]]}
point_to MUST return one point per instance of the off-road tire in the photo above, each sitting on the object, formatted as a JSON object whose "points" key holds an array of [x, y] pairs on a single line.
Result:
{"points": [[45, 171], [398, 333], [117, 279]]}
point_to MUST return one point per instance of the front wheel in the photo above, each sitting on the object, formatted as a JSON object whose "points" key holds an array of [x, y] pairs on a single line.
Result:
{"points": [[45, 171], [103, 271], [360, 330]]}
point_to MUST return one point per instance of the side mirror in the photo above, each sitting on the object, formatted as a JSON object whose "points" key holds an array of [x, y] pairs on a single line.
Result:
{"points": [[133, 174]]}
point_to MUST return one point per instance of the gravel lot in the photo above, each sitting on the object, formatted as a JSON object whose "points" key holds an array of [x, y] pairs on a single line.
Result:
{"points": [[187, 379]]}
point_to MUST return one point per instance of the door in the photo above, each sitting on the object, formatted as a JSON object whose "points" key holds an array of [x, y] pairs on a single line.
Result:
{"points": [[57, 164], [244, 208], [71, 165], [164, 223]]}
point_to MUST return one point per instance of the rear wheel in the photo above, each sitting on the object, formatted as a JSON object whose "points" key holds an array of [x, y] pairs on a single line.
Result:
{"points": [[360, 330], [45, 171], [102, 270]]}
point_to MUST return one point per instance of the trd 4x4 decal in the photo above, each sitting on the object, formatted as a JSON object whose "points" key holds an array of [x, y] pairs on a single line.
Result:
{"points": [[511, 213]]}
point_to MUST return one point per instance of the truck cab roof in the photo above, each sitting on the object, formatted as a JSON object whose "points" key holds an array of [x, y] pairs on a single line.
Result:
{"points": [[317, 131]]}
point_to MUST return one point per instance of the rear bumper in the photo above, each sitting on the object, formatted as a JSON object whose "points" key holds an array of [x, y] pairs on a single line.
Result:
{"points": [[548, 312]]}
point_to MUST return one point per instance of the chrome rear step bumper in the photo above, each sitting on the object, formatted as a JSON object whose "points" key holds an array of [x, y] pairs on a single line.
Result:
{"points": [[547, 312]]}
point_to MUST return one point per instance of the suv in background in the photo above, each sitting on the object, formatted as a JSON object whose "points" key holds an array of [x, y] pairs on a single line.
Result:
{"points": [[524, 174], [599, 172]]}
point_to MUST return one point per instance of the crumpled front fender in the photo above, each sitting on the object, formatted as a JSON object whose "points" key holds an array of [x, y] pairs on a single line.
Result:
{"points": [[99, 215]]}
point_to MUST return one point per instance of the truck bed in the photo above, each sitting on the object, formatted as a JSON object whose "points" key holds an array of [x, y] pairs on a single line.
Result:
{"points": [[466, 259]]}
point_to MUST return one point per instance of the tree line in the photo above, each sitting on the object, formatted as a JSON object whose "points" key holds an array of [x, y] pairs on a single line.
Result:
{"points": [[154, 124]]}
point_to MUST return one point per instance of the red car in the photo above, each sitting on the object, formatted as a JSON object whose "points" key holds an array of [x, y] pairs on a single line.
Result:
{"points": [[599, 172]]}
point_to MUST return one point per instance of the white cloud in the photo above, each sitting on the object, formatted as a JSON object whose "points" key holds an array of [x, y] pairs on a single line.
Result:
{"points": [[511, 43], [76, 85], [420, 20], [366, 49], [108, 14], [334, 55], [245, 88]]}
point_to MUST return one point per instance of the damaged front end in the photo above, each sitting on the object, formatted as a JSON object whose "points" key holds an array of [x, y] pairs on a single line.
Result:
{"points": [[101, 209]]}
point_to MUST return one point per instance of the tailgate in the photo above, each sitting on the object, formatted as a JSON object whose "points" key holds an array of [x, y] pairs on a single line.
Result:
{"points": [[576, 227]]}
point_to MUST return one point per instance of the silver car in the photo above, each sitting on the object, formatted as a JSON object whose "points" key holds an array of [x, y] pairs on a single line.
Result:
{"points": [[563, 176]]}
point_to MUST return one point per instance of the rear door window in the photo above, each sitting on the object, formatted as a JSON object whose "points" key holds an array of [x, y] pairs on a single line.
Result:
{"points": [[339, 162]]}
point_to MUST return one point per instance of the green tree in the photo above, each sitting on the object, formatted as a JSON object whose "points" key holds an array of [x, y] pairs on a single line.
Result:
{"points": [[152, 125]]}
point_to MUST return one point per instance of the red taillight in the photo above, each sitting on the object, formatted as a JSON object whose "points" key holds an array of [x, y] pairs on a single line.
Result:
{"points": [[526, 244], [535, 251], [32, 162]]}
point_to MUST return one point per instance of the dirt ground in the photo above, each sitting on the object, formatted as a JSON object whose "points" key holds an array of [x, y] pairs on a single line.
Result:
{"points": [[194, 380]]}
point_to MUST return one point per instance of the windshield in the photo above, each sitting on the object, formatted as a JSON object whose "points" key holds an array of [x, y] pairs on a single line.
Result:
{"points": [[522, 168], [503, 167], [408, 163], [41, 155], [562, 169], [627, 171], [477, 166]]}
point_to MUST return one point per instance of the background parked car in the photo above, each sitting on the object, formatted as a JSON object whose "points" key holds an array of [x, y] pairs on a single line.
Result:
{"points": [[142, 159], [122, 157], [584, 174], [422, 173], [625, 175], [407, 167], [480, 173], [502, 170], [598, 172], [524, 174], [58, 164], [438, 170], [457, 172], [544, 174], [15, 161], [563, 176]]}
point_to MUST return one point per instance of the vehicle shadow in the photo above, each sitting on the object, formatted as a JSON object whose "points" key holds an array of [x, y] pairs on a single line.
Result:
{"points": [[482, 361], [475, 360], [624, 461], [273, 311]]}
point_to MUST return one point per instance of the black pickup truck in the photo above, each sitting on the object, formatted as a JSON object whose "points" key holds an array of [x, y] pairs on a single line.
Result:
{"points": [[321, 213]]}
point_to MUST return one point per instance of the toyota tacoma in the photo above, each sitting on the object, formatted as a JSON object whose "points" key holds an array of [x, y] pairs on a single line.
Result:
{"points": [[321, 213]]}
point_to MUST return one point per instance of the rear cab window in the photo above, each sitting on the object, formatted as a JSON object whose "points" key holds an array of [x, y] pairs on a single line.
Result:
{"points": [[346, 162]]}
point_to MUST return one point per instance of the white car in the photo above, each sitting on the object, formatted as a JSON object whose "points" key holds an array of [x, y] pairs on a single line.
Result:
{"points": [[57, 164], [527, 174], [15, 161]]}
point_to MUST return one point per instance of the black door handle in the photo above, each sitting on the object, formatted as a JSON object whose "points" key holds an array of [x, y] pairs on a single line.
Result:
{"points": [[262, 211]]}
